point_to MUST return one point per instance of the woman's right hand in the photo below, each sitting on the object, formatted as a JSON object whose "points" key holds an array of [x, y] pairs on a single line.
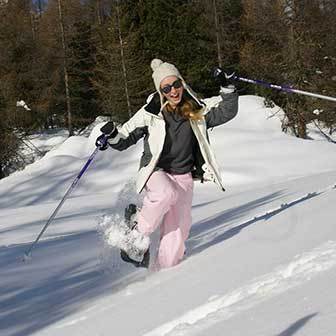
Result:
{"points": [[109, 132]]}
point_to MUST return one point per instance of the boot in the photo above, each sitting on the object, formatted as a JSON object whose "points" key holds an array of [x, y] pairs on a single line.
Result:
{"points": [[137, 250], [144, 263]]}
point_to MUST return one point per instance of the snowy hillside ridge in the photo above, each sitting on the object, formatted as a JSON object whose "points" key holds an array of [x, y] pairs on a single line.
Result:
{"points": [[99, 120], [255, 114], [260, 258], [33, 147]]}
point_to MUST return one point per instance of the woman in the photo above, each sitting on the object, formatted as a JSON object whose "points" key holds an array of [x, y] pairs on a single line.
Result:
{"points": [[174, 125]]}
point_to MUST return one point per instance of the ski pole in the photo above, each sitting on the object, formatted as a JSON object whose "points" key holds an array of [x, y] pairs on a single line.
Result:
{"points": [[283, 88], [27, 254], [218, 72]]}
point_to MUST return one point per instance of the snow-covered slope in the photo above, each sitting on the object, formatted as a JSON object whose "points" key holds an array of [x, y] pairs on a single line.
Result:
{"points": [[261, 257]]}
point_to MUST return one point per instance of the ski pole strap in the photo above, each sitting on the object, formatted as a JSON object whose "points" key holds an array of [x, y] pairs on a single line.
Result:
{"points": [[283, 88]]}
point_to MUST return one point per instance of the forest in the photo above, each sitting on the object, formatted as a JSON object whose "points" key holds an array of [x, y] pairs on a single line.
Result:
{"points": [[65, 62]]}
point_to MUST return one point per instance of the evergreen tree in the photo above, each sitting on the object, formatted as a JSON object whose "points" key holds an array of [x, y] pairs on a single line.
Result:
{"points": [[18, 77], [81, 69], [177, 32], [285, 42], [18, 66], [122, 76]]}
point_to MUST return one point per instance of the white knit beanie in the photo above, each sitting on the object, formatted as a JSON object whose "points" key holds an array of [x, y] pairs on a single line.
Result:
{"points": [[161, 70]]}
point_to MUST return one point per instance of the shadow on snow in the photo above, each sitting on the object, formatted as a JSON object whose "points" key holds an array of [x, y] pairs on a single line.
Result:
{"points": [[293, 328], [60, 279], [217, 229]]}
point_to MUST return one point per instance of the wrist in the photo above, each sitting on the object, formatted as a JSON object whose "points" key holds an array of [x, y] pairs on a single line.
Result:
{"points": [[227, 89], [115, 139], [113, 134]]}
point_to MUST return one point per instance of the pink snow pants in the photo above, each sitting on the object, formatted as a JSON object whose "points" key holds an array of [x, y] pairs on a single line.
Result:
{"points": [[167, 202]]}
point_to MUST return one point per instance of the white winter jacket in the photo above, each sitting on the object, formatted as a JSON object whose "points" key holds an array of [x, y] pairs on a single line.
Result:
{"points": [[148, 123]]}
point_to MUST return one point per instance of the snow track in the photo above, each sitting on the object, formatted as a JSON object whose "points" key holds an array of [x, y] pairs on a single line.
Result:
{"points": [[297, 272]]}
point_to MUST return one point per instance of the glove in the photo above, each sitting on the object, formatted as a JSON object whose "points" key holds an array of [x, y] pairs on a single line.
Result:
{"points": [[223, 77], [109, 131]]}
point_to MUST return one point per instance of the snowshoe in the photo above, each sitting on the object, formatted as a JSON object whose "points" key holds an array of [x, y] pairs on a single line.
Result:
{"points": [[144, 263], [136, 249]]}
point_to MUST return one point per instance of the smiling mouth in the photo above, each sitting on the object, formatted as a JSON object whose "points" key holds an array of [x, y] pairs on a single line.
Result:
{"points": [[175, 96]]}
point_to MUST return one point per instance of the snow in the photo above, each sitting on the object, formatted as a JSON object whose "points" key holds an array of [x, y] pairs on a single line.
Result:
{"points": [[117, 234], [23, 104], [256, 291], [49, 140], [261, 257]]}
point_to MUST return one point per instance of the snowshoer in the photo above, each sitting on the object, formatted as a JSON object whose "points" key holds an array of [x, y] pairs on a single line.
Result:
{"points": [[173, 125]]}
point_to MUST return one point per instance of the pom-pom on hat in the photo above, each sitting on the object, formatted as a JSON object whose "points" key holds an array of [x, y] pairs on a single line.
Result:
{"points": [[161, 70]]}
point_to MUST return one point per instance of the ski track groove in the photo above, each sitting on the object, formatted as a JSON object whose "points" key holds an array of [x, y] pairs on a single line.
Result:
{"points": [[274, 211], [302, 269]]}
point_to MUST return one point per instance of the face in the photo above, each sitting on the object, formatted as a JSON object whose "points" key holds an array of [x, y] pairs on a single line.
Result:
{"points": [[175, 94]]}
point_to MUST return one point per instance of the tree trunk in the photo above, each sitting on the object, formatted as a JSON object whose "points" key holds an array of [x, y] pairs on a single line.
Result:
{"points": [[99, 19], [123, 64], [219, 54], [66, 76], [301, 126], [2, 174]]}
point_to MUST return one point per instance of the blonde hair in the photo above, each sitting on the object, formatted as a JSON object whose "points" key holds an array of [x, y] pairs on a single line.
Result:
{"points": [[187, 108]]}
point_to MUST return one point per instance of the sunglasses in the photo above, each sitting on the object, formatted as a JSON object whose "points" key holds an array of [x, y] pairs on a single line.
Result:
{"points": [[176, 85]]}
